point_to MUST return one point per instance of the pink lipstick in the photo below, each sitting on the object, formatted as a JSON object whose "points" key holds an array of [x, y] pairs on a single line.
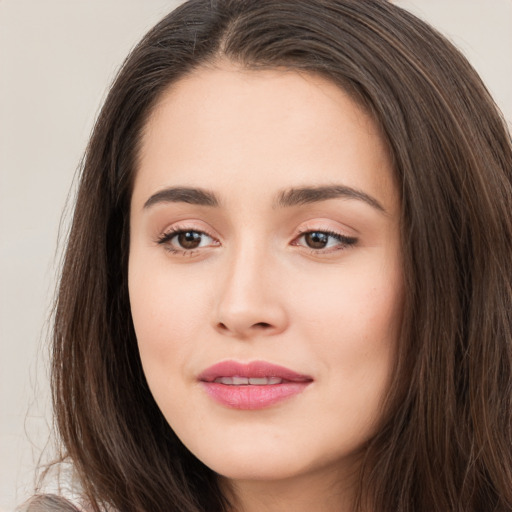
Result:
{"points": [[254, 385]]}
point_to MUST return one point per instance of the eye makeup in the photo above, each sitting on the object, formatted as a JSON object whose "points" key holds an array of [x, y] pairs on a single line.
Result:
{"points": [[187, 241]]}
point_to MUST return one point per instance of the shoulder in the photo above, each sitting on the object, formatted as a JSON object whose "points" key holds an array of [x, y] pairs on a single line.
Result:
{"points": [[49, 503]]}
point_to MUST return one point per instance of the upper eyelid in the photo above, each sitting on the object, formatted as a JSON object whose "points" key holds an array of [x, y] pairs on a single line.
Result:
{"points": [[189, 226], [170, 233], [308, 228], [178, 227], [346, 239]]}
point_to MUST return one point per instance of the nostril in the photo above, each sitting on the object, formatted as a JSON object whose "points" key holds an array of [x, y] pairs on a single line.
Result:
{"points": [[262, 325], [257, 326]]}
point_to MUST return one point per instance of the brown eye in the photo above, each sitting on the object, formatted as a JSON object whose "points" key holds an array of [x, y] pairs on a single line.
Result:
{"points": [[320, 240], [186, 241], [189, 239], [316, 239]]}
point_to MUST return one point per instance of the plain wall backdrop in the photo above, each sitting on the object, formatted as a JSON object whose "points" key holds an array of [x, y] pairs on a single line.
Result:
{"points": [[57, 58]]}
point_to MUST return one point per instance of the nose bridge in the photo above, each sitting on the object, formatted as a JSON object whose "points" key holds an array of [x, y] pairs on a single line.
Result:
{"points": [[249, 301]]}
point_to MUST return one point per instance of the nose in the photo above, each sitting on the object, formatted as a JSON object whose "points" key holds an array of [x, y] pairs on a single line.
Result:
{"points": [[250, 303]]}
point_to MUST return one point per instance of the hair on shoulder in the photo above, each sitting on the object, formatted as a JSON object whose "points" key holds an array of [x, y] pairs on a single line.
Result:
{"points": [[48, 503]]}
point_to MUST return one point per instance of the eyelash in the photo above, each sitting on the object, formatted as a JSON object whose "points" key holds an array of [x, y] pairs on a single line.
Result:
{"points": [[168, 236], [345, 241]]}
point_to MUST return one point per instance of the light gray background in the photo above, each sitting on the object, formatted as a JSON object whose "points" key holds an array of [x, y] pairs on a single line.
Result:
{"points": [[57, 58]]}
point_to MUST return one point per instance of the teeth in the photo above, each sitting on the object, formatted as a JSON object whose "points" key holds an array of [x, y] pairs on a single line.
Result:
{"points": [[245, 381], [262, 381]]}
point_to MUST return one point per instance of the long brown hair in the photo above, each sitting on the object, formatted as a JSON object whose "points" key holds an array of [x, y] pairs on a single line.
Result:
{"points": [[445, 443]]}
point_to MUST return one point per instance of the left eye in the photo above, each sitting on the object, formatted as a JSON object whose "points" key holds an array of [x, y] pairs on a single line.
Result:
{"points": [[186, 240], [319, 240]]}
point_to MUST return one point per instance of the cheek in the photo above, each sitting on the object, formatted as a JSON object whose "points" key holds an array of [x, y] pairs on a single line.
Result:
{"points": [[361, 303], [352, 322], [167, 313]]}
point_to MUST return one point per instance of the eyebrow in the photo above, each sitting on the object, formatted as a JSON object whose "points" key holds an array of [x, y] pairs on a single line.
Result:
{"points": [[306, 195], [183, 195], [286, 198]]}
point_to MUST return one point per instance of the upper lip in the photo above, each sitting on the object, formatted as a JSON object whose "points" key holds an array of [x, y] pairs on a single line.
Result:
{"points": [[251, 369]]}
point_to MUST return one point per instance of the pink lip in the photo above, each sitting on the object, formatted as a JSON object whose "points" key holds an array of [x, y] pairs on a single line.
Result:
{"points": [[252, 396]]}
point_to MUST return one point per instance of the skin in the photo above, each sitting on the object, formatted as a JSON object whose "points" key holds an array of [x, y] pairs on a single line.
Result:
{"points": [[255, 289]]}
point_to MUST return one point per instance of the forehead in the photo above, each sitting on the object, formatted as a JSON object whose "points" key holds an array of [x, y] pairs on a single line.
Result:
{"points": [[224, 123], [258, 98]]}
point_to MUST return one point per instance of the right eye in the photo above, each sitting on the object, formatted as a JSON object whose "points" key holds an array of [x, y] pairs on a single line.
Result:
{"points": [[185, 241]]}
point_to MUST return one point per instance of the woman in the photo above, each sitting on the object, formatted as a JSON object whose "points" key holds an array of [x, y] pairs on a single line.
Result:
{"points": [[287, 284]]}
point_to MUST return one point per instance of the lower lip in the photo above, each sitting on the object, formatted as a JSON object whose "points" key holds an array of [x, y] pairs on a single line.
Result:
{"points": [[251, 397]]}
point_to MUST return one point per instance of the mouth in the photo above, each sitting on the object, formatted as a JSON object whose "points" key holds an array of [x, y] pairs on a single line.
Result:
{"points": [[255, 385], [246, 381]]}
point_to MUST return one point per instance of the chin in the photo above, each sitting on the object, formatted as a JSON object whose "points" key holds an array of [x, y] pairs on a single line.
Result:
{"points": [[270, 460], [249, 460], [258, 467]]}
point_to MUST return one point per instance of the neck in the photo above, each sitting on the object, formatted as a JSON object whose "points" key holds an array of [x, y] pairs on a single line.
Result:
{"points": [[302, 494]]}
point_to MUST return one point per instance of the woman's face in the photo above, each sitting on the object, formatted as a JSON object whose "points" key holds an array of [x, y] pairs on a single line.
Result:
{"points": [[265, 271]]}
